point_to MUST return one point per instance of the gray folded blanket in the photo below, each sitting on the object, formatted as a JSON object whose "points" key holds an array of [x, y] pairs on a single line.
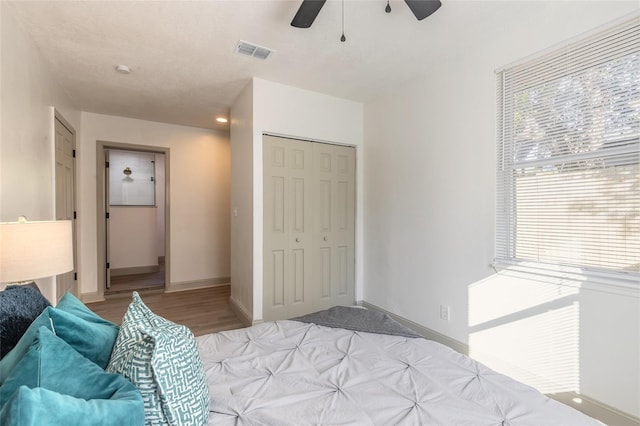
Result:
{"points": [[359, 320]]}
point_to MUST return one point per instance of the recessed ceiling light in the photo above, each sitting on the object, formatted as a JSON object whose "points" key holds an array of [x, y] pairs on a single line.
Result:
{"points": [[222, 120], [123, 69]]}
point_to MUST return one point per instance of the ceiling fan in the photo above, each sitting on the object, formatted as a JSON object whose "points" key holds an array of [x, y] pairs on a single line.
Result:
{"points": [[309, 10]]}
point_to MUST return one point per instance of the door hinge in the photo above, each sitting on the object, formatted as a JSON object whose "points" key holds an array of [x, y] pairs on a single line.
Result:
{"points": [[151, 178], [75, 276], [106, 164], [74, 153], [75, 215], [106, 215], [107, 265]]}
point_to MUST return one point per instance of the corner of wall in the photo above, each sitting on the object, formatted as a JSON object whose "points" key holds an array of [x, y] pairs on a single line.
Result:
{"points": [[241, 135]]}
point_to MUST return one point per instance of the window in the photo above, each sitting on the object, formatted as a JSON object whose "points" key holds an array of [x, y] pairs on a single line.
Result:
{"points": [[568, 158], [131, 178]]}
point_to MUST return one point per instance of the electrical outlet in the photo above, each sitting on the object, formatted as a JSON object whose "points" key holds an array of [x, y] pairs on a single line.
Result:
{"points": [[445, 312]]}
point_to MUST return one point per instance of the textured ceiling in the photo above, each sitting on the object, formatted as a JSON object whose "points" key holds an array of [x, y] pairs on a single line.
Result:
{"points": [[185, 71]]}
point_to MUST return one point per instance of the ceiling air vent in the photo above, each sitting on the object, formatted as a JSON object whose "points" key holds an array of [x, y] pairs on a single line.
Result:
{"points": [[250, 49]]}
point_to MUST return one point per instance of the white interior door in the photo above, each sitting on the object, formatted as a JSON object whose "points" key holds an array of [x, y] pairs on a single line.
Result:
{"points": [[309, 227], [65, 196], [287, 227], [334, 228]]}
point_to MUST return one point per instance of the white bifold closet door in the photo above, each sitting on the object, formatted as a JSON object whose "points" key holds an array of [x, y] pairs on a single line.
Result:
{"points": [[309, 227]]}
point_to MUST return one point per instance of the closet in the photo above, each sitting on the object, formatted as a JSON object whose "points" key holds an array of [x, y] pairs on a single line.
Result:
{"points": [[309, 226]]}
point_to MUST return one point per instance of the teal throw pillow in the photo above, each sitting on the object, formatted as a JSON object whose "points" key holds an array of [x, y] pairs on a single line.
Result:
{"points": [[71, 304], [87, 333], [55, 385], [162, 360]]}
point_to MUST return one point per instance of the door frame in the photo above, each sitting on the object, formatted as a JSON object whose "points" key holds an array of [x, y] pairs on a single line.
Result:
{"points": [[57, 116], [101, 207]]}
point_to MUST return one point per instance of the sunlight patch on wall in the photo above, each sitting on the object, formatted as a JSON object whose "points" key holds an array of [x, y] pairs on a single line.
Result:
{"points": [[528, 330], [505, 294]]}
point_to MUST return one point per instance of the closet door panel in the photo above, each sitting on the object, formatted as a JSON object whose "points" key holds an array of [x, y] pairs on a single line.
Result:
{"points": [[325, 275], [342, 272], [323, 226], [334, 235], [297, 205], [324, 206], [343, 235], [309, 227], [277, 270], [298, 277], [300, 228], [277, 205], [287, 228], [275, 230]]}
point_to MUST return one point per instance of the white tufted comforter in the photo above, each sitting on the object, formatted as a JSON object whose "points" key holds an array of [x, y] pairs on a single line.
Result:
{"points": [[292, 373]]}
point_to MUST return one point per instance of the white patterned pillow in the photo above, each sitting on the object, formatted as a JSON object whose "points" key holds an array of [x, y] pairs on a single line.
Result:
{"points": [[161, 359]]}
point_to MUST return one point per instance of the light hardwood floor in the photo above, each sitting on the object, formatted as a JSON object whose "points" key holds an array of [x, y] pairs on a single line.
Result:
{"points": [[204, 310], [137, 282]]}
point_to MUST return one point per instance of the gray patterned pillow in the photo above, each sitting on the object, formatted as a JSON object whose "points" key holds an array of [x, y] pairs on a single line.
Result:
{"points": [[162, 360]]}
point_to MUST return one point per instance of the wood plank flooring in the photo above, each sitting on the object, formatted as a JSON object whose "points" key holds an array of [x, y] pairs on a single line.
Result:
{"points": [[137, 282], [204, 310]]}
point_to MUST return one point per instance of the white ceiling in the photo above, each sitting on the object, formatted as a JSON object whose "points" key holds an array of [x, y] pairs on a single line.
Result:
{"points": [[185, 71]]}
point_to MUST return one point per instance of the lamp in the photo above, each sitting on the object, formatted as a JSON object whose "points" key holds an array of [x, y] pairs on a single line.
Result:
{"points": [[30, 250]]}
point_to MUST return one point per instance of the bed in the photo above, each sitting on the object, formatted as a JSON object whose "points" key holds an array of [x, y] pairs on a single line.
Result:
{"points": [[351, 366], [342, 366]]}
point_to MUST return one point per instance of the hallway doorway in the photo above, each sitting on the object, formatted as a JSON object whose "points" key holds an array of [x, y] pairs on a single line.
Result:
{"points": [[135, 223]]}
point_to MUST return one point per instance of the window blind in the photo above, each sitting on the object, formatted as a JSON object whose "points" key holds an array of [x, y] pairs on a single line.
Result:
{"points": [[568, 160]]}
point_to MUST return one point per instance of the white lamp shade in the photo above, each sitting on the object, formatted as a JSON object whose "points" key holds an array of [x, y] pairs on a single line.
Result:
{"points": [[30, 250]]}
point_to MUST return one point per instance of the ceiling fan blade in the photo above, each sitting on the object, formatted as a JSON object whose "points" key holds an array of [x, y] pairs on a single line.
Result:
{"points": [[423, 8], [307, 13]]}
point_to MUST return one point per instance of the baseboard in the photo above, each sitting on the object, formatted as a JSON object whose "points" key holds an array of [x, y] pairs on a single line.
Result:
{"points": [[91, 297], [193, 285], [596, 409], [133, 270], [425, 332], [240, 312]]}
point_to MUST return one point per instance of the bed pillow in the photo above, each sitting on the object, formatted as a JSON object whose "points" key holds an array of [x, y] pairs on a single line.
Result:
{"points": [[69, 303], [93, 337], [162, 360], [19, 307], [71, 390]]}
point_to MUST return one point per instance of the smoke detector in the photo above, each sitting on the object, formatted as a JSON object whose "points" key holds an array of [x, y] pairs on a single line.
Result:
{"points": [[251, 49]]}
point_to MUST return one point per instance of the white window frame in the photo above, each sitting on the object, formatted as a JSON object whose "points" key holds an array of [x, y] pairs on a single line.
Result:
{"points": [[618, 42]]}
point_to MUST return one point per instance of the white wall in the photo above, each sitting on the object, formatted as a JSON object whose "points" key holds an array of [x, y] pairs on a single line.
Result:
{"points": [[288, 111], [29, 95], [133, 237], [242, 201], [430, 194], [199, 181]]}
